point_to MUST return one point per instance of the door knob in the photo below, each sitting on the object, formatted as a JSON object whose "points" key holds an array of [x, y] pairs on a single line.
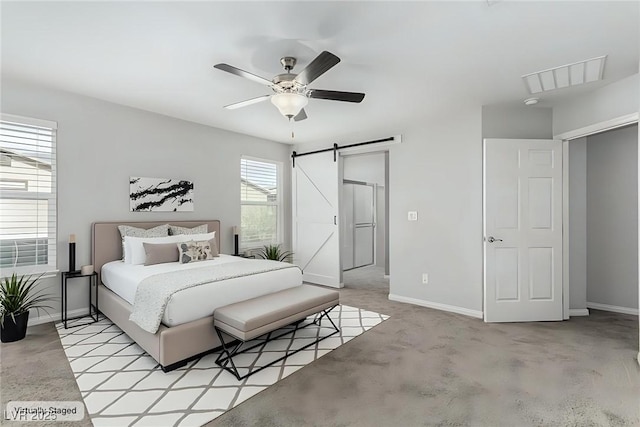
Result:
{"points": [[492, 239]]}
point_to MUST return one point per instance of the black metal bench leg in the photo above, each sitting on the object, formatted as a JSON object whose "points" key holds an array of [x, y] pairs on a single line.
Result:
{"points": [[222, 361], [325, 313], [226, 356]]}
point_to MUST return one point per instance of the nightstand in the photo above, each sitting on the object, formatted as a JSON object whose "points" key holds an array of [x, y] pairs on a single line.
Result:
{"points": [[93, 308]]}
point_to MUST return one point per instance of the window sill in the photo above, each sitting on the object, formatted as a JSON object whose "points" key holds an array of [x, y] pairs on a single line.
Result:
{"points": [[47, 272]]}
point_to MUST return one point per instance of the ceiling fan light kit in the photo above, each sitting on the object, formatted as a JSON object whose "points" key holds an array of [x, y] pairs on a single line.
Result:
{"points": [[289, 104], [291, 93]]}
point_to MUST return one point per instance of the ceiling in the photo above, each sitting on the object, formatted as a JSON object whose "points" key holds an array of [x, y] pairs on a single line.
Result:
{"points": [[414, 60]]}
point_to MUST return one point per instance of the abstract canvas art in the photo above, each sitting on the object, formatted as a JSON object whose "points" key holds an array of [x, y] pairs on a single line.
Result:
{"points": [[160, 194]]}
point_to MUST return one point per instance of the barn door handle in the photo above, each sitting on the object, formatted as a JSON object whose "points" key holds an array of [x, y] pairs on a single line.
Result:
{"points": [[492, 239], [335, 220]]}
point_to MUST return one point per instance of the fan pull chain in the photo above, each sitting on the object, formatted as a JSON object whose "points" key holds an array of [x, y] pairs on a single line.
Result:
{"points": [[292, 134]]}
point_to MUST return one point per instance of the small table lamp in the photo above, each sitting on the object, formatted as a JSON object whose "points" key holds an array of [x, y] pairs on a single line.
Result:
{"points": [[72, 252]]}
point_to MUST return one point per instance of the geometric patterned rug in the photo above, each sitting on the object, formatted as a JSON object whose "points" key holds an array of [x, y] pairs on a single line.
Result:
{"points": [[121, 385]]}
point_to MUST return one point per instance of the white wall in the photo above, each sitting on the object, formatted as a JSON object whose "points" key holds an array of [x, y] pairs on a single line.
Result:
{"points": [[578, 223], [522, 122], [100, 145], [368, 168], [612, 218], [615, 100], [437, 171]]}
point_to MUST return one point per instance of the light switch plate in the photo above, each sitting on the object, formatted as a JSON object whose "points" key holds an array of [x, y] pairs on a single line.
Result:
{"points": [[413, 216]]}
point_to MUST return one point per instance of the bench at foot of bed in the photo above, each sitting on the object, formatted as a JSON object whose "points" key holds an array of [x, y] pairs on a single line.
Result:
{"points": [[252, 318]]}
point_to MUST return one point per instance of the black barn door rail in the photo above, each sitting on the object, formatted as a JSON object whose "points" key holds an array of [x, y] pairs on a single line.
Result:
{"points": [[337, 147]]}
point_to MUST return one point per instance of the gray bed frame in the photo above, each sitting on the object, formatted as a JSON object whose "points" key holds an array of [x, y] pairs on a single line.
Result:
{"points": [[171, 347]]}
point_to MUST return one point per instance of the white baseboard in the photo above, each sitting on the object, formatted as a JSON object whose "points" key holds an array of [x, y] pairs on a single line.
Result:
{"points": [[578, 312], [318, 279], [387, 276], [437, 306], [55, 317], [614, 308]]}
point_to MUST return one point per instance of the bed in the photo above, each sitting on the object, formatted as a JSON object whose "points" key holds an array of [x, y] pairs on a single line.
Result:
{"points": [[187, 330]]}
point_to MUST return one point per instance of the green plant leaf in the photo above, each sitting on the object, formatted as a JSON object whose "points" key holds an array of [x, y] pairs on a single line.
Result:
{"points": [[274, 252], [19, 294]]}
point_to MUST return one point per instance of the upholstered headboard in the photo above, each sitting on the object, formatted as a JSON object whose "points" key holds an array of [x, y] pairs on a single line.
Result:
{"points": [[106, 242]]}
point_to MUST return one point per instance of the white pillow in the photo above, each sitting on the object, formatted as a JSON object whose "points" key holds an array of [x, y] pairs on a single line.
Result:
{"points": [[197, 237], [134, 252]]}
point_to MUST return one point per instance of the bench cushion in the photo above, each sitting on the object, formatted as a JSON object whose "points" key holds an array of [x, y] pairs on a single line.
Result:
{"points": [[251, 318]]}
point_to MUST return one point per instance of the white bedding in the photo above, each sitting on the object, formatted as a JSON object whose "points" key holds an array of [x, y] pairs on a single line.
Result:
{"points": [[200, 301]]}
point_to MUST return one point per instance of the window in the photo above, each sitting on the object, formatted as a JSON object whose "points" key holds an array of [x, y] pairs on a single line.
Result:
{"points": [[27, 195], [259, 202]]}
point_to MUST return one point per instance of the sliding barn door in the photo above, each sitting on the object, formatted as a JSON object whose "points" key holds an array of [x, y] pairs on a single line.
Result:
{"points": [[316, 237]]}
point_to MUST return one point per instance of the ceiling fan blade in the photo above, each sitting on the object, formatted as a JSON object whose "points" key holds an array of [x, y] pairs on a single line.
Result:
{"points": [[247, 102], [247, 75], [300, 116], [335, 95], [320, 65]]}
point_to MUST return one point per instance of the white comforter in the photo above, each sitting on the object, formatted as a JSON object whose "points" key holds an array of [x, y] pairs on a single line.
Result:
{"points": [[199, 301]]}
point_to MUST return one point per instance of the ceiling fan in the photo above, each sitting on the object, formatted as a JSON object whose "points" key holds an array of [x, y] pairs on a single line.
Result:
{"points": [[291, 93]]}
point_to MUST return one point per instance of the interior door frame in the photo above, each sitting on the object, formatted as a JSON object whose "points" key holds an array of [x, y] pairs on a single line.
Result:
{"points": [[384, 147], [567, 137]]}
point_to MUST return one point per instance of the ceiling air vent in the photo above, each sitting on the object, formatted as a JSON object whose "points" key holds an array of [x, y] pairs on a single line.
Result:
{"points": [[578, 73]]}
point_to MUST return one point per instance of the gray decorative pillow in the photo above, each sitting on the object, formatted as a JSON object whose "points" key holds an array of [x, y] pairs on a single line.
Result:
{"points": [[174, 229], [127, 230], [197, 251], [160, 253], [159, 231]]}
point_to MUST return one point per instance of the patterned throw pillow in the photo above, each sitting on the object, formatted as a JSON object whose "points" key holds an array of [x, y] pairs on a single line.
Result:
{"points": [[174, 229], [197, 251], [127, 230]]}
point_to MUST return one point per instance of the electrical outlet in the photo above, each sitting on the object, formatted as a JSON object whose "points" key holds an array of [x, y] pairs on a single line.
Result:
{"points": [[412, 216], [425, 278]]}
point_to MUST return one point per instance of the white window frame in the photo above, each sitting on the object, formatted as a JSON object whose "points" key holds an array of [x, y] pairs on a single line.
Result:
{"points": [[51, 266], [277, 203]]}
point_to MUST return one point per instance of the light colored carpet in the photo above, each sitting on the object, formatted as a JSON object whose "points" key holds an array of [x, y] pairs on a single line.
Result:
{"points": [[422, 367], [370, 277], [123, 386]]}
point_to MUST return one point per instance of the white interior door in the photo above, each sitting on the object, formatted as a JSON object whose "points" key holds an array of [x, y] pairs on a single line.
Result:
{"points": [[522, 230], [316, 237]]}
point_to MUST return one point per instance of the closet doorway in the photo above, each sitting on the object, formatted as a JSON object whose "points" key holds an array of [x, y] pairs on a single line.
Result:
{"points": [[364, 220], [603, 222]]}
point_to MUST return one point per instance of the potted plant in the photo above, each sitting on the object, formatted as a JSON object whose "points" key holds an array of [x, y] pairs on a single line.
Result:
{"points": [[274, 252], [17, 296]]}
